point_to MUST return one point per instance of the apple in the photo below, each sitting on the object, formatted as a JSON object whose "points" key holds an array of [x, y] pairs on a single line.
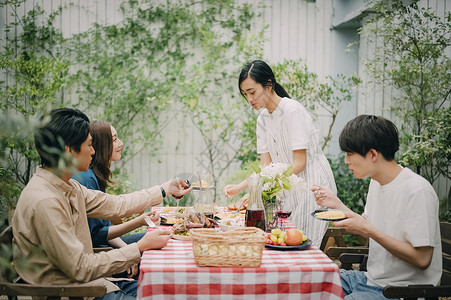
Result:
{"points": [[293, 237]]}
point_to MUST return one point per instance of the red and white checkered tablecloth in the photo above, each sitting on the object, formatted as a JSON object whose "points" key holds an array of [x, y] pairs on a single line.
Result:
{"points": [[171, 273]]}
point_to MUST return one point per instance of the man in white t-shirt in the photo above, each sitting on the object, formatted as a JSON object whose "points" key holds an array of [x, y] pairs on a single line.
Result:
{"points": [[400, 217]]}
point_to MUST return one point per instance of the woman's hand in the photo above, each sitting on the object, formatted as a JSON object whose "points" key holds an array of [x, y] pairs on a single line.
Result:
{"points": [[154, 216], [231, 190], [176, 187]]}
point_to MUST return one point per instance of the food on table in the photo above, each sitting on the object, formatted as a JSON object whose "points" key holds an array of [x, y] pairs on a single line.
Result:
{"points": [[180, 210], [171, 220], [247, 250], [179, 227], [290, 237], [240, 204], [235, 222], [293, 237], [231, 224], [167, 209], [203, 182], [195, 218], [228, 215], [330, 214]]}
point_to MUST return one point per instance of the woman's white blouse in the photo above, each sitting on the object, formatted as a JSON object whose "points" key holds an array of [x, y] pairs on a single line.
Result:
{"points": [[289, 127]]}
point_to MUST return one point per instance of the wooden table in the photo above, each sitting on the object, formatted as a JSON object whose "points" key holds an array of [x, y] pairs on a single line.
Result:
{"points": [[171, 273]]}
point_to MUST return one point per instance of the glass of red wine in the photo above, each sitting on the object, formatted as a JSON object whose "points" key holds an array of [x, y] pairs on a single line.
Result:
{"points": [[283, 211]]}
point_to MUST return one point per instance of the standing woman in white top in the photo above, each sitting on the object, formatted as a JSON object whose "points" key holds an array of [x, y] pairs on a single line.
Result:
{"points": [[286, 134]]}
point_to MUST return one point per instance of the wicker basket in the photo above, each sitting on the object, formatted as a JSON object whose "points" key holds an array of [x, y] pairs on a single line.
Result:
{"points": [[241, 247]]}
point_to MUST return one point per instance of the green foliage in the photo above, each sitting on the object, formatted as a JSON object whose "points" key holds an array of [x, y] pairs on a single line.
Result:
{"points": [[444, 211], [30, 58], [411, 55], [120, 183], [432, 146], [34, 74], [165, 59], [187, 200], [7, 271], [350, 190]]}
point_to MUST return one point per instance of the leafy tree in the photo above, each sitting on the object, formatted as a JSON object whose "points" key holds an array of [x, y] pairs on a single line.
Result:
{"points": [[411, 55], [34, 75], [165, 60], [143, 66]]}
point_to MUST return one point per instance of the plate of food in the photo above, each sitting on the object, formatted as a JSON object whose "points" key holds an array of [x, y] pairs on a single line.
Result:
{"points": [[329, 214], [305, 244], [202, 185], [168, 220], [231, 224], [180, 232], [181, 236]]}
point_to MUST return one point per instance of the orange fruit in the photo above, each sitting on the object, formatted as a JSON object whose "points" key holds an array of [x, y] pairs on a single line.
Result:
{"points": [[293, 237]]}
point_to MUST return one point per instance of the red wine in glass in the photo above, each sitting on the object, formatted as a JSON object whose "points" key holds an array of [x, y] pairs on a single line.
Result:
{"points": [[284, 214], [255, 218]]}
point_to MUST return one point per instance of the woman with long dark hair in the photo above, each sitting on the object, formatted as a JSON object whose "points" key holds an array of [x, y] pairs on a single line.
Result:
{"points": [[286, 134], [108, 148]]}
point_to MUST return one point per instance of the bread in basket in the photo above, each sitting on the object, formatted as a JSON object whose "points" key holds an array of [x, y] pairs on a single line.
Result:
{"points": [[241, 247]]}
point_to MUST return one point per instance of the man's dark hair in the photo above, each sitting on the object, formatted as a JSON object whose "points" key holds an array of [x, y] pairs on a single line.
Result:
{"points": [[62, 127], [367, 132]]}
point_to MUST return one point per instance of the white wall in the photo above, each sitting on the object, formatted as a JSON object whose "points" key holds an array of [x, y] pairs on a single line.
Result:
{"points": [[297, 29]]}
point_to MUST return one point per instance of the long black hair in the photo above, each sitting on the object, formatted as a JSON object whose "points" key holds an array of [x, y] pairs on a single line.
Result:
{"points": [[261, 73]]}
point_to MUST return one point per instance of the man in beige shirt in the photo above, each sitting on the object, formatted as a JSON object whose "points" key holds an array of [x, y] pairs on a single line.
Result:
{"points": [[50, 222]]}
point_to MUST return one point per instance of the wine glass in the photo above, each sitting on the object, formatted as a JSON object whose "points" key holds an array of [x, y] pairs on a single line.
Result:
{"points": [[283, 210], [188, 178]]}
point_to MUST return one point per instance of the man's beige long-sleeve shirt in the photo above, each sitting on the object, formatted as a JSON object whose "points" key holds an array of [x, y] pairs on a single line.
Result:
{"points": [[51, 231]]}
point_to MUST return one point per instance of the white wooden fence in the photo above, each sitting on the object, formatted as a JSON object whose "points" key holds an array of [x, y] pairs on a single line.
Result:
{"points": [[297, 29]]}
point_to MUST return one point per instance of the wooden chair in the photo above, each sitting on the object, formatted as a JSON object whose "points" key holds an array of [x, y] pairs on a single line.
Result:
{"points": [[340, 247], [14, 289], [416, 291]]}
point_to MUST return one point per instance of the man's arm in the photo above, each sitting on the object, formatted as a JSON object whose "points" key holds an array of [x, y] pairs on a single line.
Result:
{"points": [[419, 257], [58, 237]]}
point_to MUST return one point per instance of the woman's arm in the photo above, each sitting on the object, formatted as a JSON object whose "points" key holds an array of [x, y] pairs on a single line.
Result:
{"points": [[233, 189], [117, 242], [121, 229], [299, 160]]}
